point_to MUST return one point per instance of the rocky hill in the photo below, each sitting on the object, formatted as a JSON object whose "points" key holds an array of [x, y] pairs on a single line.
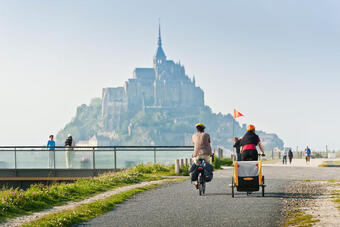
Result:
{"points": [[157, 106]]}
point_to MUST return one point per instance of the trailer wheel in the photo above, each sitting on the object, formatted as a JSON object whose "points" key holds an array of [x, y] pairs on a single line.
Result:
{"points": [[232, 187], [262, 186]]}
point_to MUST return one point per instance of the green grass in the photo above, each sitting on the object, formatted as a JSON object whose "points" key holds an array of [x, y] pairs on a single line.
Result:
{"points": [[91, 210], [300, 219], [17, 202], [219, 162], [326, 164], [87, 211], [161, 170]]}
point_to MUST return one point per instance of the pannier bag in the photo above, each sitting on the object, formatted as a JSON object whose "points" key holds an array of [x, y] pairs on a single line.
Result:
{"points": [[208, 172], [193, 172]]}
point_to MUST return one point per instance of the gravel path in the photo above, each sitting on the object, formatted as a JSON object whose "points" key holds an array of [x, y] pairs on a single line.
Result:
{"points": [[179, 204]]}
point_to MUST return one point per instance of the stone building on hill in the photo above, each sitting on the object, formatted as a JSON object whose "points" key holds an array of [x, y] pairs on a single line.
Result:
{"points": [[164, 86], [156, 106]]}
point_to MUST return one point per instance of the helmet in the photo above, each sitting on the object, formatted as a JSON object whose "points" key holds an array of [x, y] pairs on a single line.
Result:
{"points": [[69, 135], [200, 125], [250, 128]]}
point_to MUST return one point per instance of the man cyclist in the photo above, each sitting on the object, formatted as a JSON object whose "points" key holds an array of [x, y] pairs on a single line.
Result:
{"points": [[249, 142]]}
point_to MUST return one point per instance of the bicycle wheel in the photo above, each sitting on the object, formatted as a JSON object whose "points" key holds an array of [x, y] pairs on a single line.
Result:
{"points": [[200, 186], [203, 188]]}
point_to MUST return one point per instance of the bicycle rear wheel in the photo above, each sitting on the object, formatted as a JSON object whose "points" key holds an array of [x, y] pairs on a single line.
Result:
{"points": [[201, 185]]}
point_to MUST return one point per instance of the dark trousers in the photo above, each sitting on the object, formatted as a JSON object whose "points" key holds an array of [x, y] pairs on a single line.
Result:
{"points": [[284, 159], [290, 160], [250, 155], [239, 158]]}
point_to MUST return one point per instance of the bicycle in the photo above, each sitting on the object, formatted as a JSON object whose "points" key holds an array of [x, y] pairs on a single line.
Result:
{"points": [[201, 178]]}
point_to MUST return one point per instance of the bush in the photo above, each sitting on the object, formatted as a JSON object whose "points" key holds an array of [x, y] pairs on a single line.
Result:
{"points": [[152, 168], [221, 162]]}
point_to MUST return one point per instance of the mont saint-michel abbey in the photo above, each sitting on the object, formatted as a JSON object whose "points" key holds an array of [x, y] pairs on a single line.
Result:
{"points": [[164, 86]]}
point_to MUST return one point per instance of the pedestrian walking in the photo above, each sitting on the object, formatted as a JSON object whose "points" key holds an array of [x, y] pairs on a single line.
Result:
{"points": [[308, 154], [51, 150], [290, 156], [69, 144], [237, 145], [284, 156]]}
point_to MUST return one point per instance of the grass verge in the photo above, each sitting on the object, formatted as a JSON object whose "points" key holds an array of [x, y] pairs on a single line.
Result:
{"points": [[161, 170], [88, 211], [17, 202], [298, 218], [218, 162]]}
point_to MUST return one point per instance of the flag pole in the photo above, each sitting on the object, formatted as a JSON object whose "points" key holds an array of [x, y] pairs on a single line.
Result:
{"points": [[232, 139]]}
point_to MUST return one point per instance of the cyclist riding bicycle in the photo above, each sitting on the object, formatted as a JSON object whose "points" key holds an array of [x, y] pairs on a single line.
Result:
{"points": [[249, 142], [202, 147]]}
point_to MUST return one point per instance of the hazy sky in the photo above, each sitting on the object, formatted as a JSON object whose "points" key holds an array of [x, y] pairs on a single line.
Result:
{"points": [[277, 62]]}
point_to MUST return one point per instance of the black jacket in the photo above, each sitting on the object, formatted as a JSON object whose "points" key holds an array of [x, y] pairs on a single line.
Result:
{"points": [[250, 138], [68, 141], [237, 145], [290, 153]]}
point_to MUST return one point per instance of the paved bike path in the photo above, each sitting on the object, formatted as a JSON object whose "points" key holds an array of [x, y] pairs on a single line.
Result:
{"points": [[179, 204]]}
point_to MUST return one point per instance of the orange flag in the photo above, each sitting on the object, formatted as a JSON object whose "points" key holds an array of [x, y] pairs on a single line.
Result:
{"points": [[237, 114]]}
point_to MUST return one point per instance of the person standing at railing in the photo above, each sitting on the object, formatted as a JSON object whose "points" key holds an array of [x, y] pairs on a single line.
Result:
{"points": [[237, 145], [51, 149], [69, 143]]}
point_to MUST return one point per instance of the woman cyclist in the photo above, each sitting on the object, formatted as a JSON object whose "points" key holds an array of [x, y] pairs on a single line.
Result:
{"points": [[249, 142], [202, 147]]}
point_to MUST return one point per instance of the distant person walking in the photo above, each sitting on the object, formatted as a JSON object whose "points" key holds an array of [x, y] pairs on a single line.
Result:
{"points": [[308, 154], [69, 143], [284, 156], [290, 156], [237, 145], [51, 149]]}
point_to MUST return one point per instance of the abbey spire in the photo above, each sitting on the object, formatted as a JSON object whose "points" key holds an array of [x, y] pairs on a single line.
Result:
{"points": [[159, 57]]}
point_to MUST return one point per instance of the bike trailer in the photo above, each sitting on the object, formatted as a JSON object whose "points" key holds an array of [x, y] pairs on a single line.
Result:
{"points": [[248, 175]]}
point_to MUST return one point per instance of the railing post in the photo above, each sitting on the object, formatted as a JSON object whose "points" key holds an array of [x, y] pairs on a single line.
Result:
{"points": [[177, 166], [272, 154], [94, 158], [54, 159], [154, 155], [15, 159], [115, 157]]}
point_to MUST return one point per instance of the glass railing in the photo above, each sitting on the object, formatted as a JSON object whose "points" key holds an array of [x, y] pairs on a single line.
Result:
{"points": [[96, 157]]}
